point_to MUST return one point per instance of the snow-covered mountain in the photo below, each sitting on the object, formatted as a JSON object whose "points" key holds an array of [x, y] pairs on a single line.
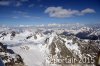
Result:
{"points": [[52, 46]]}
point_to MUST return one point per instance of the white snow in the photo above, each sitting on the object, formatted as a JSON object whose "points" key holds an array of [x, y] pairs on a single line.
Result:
{"points": [[32, 56], [73, 47], [34, 52]]}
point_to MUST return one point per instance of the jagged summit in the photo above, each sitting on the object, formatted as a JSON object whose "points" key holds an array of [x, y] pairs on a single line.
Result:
{"points": [[49, 46]]}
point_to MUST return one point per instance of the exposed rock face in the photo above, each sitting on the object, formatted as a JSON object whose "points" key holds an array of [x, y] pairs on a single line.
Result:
{"points": [[3, 34], [61, 48], [13, 34], [9, 58], [83, 46], [98, 59], [58, 50], [28, 37]]}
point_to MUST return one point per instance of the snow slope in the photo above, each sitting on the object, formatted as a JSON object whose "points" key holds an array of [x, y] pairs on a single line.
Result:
{"points": [[35, 50]]}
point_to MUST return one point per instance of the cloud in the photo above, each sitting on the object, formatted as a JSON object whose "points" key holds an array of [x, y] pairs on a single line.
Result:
{"points": [[18, 4], [88, 10], [4, 3], [59, 12]]}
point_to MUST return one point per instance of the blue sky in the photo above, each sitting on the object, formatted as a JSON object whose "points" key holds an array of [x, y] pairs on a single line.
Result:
{"points": [[32, 12]]}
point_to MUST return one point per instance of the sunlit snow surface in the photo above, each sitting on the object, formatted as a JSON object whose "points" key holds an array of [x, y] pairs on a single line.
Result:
{"points": [[31, 56], [34, 51], [30, 50]]}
